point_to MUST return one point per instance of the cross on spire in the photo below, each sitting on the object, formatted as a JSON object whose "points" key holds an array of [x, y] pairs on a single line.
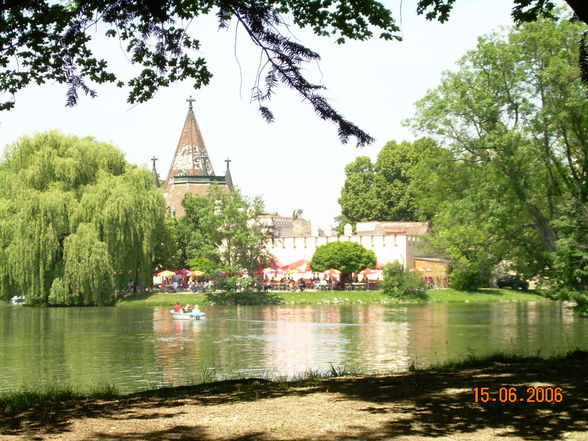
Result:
{"points": [[227, 161], [190, 101], [155, 174]]}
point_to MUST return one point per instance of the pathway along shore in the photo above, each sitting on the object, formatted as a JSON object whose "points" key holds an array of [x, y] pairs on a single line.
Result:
{"points": [[422, 405]]}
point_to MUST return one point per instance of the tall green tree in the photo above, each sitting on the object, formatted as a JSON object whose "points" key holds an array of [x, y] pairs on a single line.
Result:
{"points": [[380, 191], [170, 250], [394, 168], [76, 221], [223, 233], [515, 118], [476, 219], [358, 199]]}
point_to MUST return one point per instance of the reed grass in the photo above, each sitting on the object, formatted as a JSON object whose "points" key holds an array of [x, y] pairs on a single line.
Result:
{"points": [[54, 394], [29, 397], [50, 395], [473, 361]]}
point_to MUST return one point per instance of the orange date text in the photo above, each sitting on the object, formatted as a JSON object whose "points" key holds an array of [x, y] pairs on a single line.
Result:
{"points": [[518, 394]]}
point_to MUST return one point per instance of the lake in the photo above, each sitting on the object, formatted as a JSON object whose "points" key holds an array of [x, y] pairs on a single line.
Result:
{"points": [[136, 348]]}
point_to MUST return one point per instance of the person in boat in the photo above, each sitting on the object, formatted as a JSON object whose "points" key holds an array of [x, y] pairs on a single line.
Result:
{"points": [[178, 307], [188, 308]]}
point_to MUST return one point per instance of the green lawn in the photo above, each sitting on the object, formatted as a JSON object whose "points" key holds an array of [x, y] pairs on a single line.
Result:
{"points": [[481, 296], [334, 297], [164, 299]]}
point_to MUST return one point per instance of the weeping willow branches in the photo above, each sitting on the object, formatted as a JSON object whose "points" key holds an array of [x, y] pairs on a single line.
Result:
{"points": [[77, 222]]}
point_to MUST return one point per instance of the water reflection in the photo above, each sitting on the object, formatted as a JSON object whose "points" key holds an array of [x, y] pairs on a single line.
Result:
{"points": [[143, 347]]}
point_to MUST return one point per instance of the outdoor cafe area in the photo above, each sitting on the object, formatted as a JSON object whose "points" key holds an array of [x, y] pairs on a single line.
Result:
{"points": [[180, 280], [296, 276], [312, 286]]}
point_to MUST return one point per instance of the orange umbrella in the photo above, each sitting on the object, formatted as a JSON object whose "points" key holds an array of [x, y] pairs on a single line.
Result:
{"points": [[302, 265], [369, 271]]}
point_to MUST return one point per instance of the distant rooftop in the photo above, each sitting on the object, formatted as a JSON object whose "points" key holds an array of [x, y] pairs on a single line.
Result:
{"points": [[386, 228]]}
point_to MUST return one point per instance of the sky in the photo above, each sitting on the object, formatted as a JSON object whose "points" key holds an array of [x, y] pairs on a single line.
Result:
{"points": [[298, 161]]}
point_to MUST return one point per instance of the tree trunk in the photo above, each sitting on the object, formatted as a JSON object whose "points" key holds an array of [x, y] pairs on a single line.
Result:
{"points": [[543, 227]]}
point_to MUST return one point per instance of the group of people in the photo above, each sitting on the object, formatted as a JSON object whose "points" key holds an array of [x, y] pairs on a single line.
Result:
{"points": [[300, 284], [193, 286], [199, 287], [188, 308]]}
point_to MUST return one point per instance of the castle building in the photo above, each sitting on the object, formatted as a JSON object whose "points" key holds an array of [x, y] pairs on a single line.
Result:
{"points": [[390, 241], [191, 170], [294, 239]]}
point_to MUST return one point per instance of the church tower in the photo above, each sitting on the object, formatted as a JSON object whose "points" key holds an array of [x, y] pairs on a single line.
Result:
{"points": [[191, 170]]}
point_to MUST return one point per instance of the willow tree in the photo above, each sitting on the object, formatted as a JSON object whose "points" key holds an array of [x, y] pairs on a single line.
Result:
{"points": [[76, 221]]}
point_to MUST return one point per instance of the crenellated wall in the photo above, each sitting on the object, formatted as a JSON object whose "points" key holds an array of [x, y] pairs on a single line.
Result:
{"points": [[388, 248]]}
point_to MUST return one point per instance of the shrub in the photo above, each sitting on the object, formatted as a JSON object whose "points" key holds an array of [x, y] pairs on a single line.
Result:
{"points": [[400, 284], [468, 276]]}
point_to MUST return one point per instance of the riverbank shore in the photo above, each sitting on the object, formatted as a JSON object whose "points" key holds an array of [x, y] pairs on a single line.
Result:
{"points": [[524, 404], [333, 297]]}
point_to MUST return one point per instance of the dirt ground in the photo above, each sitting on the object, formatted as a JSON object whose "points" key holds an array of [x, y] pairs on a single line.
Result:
{"points": [[425, 405]]}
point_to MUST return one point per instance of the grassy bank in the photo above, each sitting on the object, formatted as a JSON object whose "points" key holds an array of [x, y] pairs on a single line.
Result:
{"points": [[54, 397], [18, 400], [481, 296], [332, 297], [475, 361]]}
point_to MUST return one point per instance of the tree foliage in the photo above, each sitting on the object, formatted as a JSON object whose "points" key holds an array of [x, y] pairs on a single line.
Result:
{"points": [[76, 221], [469, 275], [347, 257], [515, 120], [522, 11], [48, 41], [170, 249], [358, 199], [222, 232], [380, 191]]}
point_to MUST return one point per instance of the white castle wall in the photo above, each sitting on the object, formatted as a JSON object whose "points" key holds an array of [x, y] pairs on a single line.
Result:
{"points": [[389, 248]]}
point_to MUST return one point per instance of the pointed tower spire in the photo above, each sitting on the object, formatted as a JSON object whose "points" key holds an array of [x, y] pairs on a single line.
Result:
{"points": [[191, 157], [191, 171]]}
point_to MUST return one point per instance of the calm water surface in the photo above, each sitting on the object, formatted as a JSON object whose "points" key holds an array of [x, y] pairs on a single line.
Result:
{"points": [[138, 347]]}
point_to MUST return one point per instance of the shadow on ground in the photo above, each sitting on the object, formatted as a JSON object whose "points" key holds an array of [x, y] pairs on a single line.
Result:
{"points": [[432, 404]]}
